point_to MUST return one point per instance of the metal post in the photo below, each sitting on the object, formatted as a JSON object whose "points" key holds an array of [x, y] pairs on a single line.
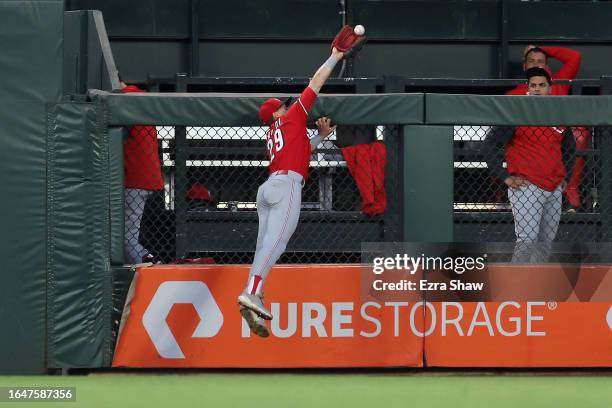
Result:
{"points": [[394, 177], [180, 82], [180, 178], [180, 204], [605, 192], [194, 68], [82, 78], [605, 158], [503, 39], [152, 85]]}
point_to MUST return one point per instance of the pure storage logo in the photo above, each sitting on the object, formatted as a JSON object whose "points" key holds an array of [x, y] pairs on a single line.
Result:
{"points": [[609, 318], [170, 293], [506, 319], [344, 319]]}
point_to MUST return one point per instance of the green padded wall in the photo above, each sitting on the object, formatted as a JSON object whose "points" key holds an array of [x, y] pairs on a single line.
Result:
{"points": [[116, 198], [22, 237], [519, 110], [30, 77], [428, 183], [85, 289], [241, 109], [79, 296]]}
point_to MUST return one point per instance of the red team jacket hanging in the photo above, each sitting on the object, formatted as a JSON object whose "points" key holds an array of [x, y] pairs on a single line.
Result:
{"points": [[366, 163]]}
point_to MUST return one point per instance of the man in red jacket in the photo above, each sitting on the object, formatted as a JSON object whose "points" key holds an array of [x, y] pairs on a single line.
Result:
{"points": [[142, 176], [535, 56], [539, 161]]}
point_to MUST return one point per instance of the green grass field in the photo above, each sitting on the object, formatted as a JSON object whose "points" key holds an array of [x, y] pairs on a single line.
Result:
{"points": [[326, 390]]}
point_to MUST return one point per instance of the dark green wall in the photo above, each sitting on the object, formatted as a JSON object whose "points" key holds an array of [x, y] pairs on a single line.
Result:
{"points": [[414, 38], [31, 77]]}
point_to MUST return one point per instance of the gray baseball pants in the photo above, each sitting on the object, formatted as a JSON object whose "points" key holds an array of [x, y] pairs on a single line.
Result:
{"points": [[135, 200], [536, 219], [279, 200]]}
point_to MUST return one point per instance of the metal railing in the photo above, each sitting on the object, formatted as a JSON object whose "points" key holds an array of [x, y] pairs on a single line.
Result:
{"points": [[386, 84]]}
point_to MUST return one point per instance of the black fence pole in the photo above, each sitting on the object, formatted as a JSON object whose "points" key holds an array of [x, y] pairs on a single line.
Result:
{"points": [[503, 39], [194, 68]]}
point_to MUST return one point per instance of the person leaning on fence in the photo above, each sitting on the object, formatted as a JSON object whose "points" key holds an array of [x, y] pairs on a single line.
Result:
{"points": [[539, 161], [535, 56], [143, 175]]}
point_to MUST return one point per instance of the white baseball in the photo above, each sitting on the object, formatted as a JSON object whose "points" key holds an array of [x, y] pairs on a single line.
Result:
{"points": [[359, 29]]}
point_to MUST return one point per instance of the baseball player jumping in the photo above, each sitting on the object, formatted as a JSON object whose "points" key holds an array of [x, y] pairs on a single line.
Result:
{"points": [[279, 198]]}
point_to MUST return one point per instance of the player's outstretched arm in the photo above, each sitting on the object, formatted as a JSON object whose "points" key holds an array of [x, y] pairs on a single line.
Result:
{"points": [[324, 71]]}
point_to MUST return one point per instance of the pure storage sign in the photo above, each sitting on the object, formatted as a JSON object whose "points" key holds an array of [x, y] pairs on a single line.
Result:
{"points": [[552, 334], [187, 317]]}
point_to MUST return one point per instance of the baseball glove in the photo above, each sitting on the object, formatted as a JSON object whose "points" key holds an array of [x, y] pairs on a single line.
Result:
{"points": [[348, 42]]}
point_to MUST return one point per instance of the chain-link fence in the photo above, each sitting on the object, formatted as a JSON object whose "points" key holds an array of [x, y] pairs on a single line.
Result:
{"points": [[531, 185], [204, 208], [190, 191]]}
